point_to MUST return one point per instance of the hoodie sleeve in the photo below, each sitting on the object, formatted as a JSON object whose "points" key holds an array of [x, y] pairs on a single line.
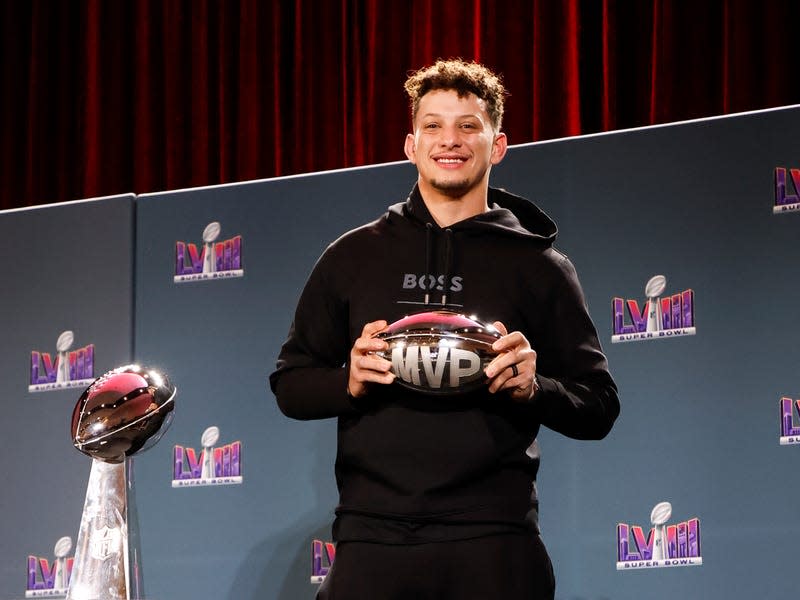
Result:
{"points": [[577, 396], [310, 381]]}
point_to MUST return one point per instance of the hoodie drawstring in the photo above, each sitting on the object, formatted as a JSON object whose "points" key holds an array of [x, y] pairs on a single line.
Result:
{"points": [[428, 253], [448, 263]]}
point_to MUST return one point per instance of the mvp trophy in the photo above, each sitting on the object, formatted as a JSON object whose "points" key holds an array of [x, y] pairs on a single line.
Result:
{"points": [[124, 412]]}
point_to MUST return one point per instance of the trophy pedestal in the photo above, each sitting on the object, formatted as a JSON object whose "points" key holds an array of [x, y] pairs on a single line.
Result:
{"points": [[107, 553]]}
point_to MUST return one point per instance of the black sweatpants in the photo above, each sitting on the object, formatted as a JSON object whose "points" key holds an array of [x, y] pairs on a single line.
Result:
{"points": [[499, 567]]}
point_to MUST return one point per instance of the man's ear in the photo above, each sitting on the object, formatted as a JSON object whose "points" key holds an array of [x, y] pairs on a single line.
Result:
{"points": [[410, 148], [499, 147]]}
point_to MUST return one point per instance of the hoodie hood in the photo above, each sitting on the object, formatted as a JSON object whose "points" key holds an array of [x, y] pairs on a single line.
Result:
{"points": [[508, 214]]}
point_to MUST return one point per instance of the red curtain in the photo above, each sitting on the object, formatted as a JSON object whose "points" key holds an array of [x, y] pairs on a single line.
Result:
{"points": [[103, 97]]}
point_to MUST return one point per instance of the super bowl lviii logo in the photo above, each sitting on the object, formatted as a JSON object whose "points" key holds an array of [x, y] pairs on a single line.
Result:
{"points": [[217, 259], [322, 557], [69, 368], [785, 200], [216, 465], [671, 316], [790, 434], [50, 581], [675, 545]]}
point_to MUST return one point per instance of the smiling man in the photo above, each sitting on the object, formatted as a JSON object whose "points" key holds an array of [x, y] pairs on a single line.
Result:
{"points": [[454, 145], [437, 493]]}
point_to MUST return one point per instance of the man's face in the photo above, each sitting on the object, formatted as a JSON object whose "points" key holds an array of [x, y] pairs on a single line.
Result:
{"points": [[454, 143]]}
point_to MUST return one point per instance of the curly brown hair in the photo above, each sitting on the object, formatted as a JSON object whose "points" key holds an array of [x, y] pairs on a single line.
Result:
{"points": [[462, 77]]}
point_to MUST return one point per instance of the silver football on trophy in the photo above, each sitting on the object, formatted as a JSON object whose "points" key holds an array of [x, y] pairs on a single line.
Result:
{"points": [[123, 412], [439, 351]]}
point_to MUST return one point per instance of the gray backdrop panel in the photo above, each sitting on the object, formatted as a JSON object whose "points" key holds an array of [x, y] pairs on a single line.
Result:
{"points": [[219, 340], [699, 422], [65, 267]]}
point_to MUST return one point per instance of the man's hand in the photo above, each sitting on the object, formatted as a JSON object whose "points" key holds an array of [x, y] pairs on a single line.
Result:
{"points": [[514, 369], [366, 367]]}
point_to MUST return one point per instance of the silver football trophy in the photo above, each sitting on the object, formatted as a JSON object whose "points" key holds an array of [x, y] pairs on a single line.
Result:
{"points": [[122, 413], [439, 351]]}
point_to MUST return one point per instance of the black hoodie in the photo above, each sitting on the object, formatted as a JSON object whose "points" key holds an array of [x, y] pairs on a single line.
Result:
{"points": [[412, 467]]}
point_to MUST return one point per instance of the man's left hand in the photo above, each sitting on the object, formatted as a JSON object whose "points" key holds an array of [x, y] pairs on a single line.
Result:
{"points": [[514, 369]]}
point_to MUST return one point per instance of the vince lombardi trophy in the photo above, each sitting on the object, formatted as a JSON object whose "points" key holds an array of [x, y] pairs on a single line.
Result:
{"points": [[121, 414]]}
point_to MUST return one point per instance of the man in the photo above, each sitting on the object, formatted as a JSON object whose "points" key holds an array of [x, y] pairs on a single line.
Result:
{"points": [[437, 494]]}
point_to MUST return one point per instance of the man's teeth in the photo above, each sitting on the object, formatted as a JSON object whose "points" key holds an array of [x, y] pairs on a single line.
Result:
{"points": [[450, 161]]}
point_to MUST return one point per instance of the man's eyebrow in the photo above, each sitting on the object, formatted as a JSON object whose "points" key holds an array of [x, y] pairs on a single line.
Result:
{"points": [[465, 115]]}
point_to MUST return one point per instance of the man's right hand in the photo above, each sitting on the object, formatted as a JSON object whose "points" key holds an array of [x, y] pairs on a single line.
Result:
{"points": [[366, 367]]}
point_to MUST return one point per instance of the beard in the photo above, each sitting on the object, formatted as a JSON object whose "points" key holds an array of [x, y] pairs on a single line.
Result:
{"points": [[455, 188]]}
